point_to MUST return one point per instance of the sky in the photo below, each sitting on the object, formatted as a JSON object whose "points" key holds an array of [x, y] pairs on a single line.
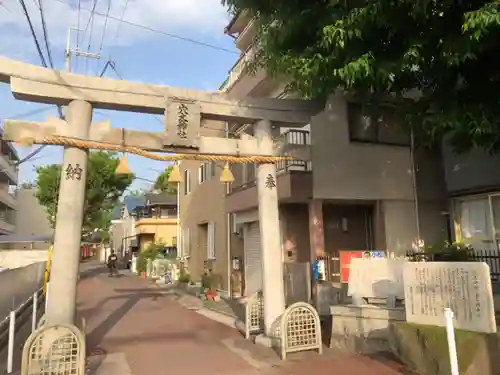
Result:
{"points": [[179, 43]]}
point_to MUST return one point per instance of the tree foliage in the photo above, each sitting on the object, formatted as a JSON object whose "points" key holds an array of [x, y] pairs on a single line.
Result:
{"points": [[380, 51], [162, 183], [103, 190]]}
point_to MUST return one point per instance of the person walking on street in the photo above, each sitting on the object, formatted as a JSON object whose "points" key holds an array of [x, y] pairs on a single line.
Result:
{"points": [[112, 259]]}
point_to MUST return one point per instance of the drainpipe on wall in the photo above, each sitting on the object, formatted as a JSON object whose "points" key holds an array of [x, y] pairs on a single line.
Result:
{"points": [[414, 182], [179, 251], [228, 236]]}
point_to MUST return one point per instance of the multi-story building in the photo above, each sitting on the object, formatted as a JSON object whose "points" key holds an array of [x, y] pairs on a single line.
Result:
{"points": [[122, 229], [156, 221], [361, 185], [204, 224], [8, 178], [31, 220], [473, 185]]}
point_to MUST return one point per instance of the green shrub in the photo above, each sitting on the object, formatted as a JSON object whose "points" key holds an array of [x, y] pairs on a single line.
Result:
{"points": [[450, 251], [152, 252], [184, 277], [207, 281]]}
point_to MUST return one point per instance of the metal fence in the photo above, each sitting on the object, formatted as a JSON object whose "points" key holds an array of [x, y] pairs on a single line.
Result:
{"points": [[492, 258], [297, 282]]}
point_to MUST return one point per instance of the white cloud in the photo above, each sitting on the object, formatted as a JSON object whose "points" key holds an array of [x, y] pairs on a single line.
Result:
{"points": [[196, 19]]}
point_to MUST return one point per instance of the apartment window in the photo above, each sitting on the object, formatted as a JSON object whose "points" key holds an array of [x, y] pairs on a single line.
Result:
{"points": [[378, 128], [212, 168], [479, 221], [165, 213], [187, 182], [211, 240], [206, 171], [186, 242], [249, 173]]}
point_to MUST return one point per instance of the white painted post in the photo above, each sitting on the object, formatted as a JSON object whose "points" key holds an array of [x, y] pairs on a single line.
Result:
{"points": [[452, 345], [35, 311], [66, 255], [272, 257], [10, 345], [47, 290]]}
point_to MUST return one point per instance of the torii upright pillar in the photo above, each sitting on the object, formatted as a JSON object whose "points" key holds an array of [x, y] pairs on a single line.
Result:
{"points": [[61, 305], [272, 257]]}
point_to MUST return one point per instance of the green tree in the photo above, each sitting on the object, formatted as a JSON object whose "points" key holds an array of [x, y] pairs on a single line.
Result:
{"points": [[136, 193], [379, 52], [162, 183], [103, 190]]}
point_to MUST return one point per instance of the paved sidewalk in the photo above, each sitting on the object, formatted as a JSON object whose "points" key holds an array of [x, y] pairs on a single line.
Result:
{"points": [[135, 328]]}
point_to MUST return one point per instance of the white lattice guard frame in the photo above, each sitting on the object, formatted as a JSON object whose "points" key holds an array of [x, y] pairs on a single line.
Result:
{"points": [[54, 349], [300, 329], [42, 321], [254, 315]]}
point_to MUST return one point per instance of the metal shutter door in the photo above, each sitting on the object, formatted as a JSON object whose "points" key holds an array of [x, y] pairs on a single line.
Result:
{"points": [[253, 260]]}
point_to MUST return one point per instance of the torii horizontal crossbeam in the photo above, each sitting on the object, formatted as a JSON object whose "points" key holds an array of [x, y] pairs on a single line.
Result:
{"points": [[37, 131], [36, 84]]}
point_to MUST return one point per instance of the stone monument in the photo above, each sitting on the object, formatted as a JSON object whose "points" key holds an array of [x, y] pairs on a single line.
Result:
{"points": [[465, 287], [376, 278]]}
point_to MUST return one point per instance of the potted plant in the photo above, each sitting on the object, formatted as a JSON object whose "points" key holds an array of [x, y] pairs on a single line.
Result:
{"points": [[184, 279], [209, 286], [450, 252]]}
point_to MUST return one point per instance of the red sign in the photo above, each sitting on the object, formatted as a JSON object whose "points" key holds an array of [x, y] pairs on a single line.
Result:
{"points": [[345, 263]]}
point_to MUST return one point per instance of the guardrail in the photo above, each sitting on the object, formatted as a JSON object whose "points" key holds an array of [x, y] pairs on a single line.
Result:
{"points": [[16, 319]]}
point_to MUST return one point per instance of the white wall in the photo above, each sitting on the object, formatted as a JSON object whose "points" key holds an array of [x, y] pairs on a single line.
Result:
{"points": [[21, 258], [401, 228], [18, 285]]}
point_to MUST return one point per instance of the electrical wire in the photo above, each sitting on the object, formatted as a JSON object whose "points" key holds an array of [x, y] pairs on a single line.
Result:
{"points": [[105, 26], [170, 35], [28, 113], [33, 34], [45, 33], [44, 63], [92, 12], [120, 21], [90, 22]]}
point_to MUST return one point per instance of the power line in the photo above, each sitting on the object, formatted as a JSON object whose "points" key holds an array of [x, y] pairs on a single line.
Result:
{"points": [[33, 34], [170, 35], [44, 63], [45, 33], [78, 30], [91, 21], [105, 25], [29, 113], [120, 21], [92, 12]]}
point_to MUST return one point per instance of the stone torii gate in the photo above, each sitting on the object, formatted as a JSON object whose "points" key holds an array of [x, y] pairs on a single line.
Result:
{"points": [[184, 109]]}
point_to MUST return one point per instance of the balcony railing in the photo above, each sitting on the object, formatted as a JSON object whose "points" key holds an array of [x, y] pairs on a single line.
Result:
{"points": [[295, 137], [292, 138], [8, 199], [246, 36], [238, 68], [293, 165], [8, 168]]}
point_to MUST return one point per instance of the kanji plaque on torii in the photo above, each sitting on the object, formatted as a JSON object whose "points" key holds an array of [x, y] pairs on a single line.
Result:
{"points": [[182, 122]]}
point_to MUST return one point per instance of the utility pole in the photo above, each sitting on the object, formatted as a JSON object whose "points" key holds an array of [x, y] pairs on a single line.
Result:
{"points": [[75, 51]]}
